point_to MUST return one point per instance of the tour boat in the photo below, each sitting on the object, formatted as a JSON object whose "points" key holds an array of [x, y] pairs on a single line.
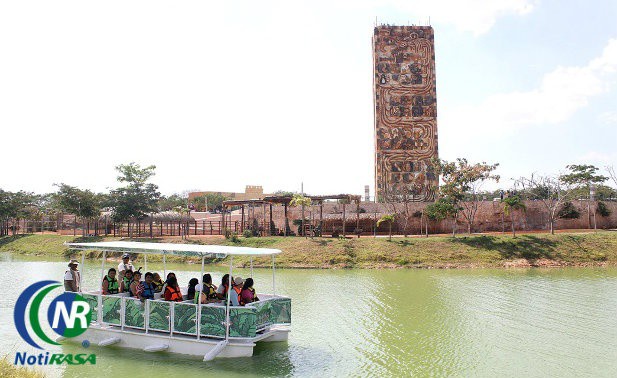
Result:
{"points": [[157, 325]]}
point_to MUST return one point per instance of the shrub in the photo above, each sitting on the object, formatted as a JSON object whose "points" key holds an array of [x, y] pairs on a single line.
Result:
{"points": [[247, 233], [603, 210], [569, 211]]}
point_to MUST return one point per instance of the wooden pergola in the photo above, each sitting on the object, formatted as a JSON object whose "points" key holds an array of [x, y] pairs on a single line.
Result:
{"points": [[269, 201]]}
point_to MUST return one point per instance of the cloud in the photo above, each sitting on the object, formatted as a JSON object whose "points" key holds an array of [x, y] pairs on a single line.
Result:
{"points": [[608, 118], [560, 95]]}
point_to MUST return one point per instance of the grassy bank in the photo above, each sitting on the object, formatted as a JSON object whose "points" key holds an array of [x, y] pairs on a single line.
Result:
{"points": [[8, 370], [440, 252]]}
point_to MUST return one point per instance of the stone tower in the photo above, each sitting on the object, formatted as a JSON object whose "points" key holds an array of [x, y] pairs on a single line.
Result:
{"points": [[405, 113]]}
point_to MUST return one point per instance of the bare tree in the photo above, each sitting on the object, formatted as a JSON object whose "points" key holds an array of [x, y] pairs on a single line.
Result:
{"points": [[403, 195], [550, 191], [611, 172]]}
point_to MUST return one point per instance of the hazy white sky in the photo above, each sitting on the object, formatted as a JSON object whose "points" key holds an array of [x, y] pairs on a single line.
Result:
{"points": [[274, 93]]}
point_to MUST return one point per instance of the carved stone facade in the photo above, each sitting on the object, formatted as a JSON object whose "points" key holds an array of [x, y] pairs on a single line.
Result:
{"points": [[405, 113]]}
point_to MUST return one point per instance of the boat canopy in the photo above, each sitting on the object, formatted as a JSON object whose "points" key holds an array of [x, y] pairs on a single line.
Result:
{"points": [[207, 251]]}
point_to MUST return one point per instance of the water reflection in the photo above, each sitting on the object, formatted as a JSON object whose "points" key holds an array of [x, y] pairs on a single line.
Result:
{"points": [[526, 322]]}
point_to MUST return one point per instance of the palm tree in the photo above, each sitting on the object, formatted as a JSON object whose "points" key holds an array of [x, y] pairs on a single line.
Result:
{"points": [[510, 205], [300, 200], [390, 219]]}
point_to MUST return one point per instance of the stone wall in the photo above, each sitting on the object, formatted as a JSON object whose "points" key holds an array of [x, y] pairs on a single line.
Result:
{"points": [[489, 217]]}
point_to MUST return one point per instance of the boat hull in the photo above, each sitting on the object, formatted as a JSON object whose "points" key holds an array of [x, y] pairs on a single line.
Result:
{"points": [[115, 337]]}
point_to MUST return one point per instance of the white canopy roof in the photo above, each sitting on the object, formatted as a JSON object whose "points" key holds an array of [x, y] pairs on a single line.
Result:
{"points": [[209, 251]]}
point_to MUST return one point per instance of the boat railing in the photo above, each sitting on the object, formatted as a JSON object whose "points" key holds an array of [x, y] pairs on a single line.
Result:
{"points": [[181, 317]]}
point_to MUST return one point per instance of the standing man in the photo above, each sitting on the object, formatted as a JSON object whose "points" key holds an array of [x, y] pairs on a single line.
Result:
{"points": [[72, 277], [124, 266]]}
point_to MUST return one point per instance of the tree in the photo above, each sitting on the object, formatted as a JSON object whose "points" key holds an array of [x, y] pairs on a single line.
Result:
{"points": [[611, 172], [550, 191], [300, 200], [18, 205], [208, 201], [169, 203], [138, 197], [582, 177], [442, 209], [462, 183], [72, 200], [389, 218], [512, 204]]}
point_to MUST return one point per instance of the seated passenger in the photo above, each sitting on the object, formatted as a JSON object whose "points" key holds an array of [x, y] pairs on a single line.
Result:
{"points": [[110, 283], [208, 290], [125, 284], [172, 291], [146, 288], [191, 291], [248, 293], [234, 295], [169, 275], [135, 285], [221, 292], [158, 283]]}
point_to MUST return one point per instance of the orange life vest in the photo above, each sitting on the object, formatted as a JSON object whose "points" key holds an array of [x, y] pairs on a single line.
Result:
{"points": [[176, 295], [238, 291]]}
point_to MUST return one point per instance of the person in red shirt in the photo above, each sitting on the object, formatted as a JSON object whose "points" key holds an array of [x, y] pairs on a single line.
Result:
{"points": [[172, 290]]}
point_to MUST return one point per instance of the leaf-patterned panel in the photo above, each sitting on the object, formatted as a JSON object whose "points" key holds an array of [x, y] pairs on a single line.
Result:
{"points": [[159, 315], [185, 315], [112, 306], [134, 313], [93, 301], [212, 319]]}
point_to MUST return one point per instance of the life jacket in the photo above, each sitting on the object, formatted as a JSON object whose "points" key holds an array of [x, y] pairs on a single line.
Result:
{"points": [[207, 290], [238, 292], [158, 286], [126, 284], [112, 285], [148, 292], [176, 295]]}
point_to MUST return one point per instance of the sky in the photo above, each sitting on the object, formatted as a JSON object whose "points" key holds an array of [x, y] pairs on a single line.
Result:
{"points": [[219, 95]]}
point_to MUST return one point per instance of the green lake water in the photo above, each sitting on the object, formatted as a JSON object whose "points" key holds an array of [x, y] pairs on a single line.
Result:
{"points": [[461, 323]]}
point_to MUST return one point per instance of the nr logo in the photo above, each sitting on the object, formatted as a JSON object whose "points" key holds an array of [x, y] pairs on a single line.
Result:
{"points": [[68, 314]]}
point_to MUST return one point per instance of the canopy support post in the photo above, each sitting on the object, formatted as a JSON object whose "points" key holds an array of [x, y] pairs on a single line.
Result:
{"points": [[201, 279], [164, 267], [229, 289], [251, 266], [145, 263], [81, 274], [273, 277], [100, 296]]}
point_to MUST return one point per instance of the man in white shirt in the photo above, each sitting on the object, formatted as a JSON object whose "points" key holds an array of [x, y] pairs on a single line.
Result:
{"points": [[72, 277], [124, 266]]}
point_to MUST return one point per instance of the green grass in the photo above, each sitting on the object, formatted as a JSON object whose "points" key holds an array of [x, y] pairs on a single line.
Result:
{"points": [[8, 370], [367, 252]]}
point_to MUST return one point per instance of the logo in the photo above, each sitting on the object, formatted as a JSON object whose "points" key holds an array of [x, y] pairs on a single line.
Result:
{"points": [[68, 315]]}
